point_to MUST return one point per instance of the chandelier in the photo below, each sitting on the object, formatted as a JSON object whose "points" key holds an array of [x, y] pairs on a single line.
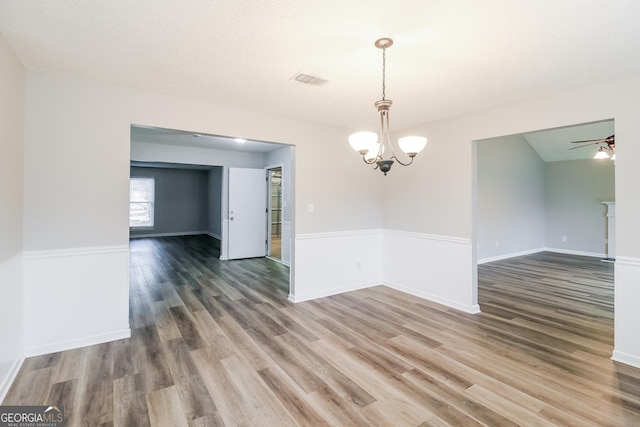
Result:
{"points": [[366, 143]]}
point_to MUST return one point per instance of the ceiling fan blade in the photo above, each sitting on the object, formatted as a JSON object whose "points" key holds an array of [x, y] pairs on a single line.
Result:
{"points": [[586, 145], [589, 140]]}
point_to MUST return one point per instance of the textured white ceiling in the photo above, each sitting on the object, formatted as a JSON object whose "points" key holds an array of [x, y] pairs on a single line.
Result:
{"points": [[449, 57]]}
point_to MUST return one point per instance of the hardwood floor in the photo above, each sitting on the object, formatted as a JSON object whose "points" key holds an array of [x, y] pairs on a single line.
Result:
{"points": [[217, 343]]}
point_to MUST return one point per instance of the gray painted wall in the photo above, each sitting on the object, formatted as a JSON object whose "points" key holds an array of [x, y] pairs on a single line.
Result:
{"points": [[151, 152], [181, 204], [511, 197], [220, 162], [214, 216], [575, 191], [528, 205], [12, 87], [434, 196], [12, 286]]}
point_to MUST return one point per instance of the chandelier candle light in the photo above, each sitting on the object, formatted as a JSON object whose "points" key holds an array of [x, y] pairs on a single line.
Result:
{"points": [[366, 143]]}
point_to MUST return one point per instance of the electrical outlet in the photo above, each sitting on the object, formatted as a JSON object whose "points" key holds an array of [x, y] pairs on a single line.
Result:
{"points": [[564, 238], [497, 243]]}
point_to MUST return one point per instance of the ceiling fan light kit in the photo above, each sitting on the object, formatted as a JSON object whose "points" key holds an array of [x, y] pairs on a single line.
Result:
{"points": [[606, 144], [366, 143], [601, 154]]}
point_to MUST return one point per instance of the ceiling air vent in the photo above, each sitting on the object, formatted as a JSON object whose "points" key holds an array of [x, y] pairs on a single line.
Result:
{"points": [[310, 80]]}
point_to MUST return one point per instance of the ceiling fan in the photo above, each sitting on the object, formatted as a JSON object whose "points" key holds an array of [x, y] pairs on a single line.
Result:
{"points": [[608, 143]]}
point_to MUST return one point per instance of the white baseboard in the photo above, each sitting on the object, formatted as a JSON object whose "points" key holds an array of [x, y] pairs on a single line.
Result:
{"points": [[510, 255], [10, 378], [77, 343], [580, 253], [471, 309], [176, 234], [534, 251], [330, 292], [627, 359], [215, 236]]}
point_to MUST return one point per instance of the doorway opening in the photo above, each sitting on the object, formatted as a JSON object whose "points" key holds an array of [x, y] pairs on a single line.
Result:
{"points": [[542, 191], [274, 218], [540, 202], [218, 157]]}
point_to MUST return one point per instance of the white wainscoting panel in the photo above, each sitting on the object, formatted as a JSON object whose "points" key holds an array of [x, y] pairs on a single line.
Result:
{"points": [[75, 297], [337, 262], [626, 348], [437, 268], [11, 322], [286, 243]]}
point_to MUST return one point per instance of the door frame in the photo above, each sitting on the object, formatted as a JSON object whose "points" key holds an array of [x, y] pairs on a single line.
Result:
{"points": [[268, 236]]}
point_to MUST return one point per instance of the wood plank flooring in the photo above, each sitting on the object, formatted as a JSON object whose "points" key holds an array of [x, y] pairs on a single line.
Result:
{"points": [[217, 343]]}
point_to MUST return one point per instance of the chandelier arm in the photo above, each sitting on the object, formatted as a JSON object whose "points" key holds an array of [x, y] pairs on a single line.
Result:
{"points": [[399, 161], [372, 161]]}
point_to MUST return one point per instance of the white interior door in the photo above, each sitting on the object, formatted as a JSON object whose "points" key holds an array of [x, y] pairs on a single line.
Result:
{"points": [[247, 213]]}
